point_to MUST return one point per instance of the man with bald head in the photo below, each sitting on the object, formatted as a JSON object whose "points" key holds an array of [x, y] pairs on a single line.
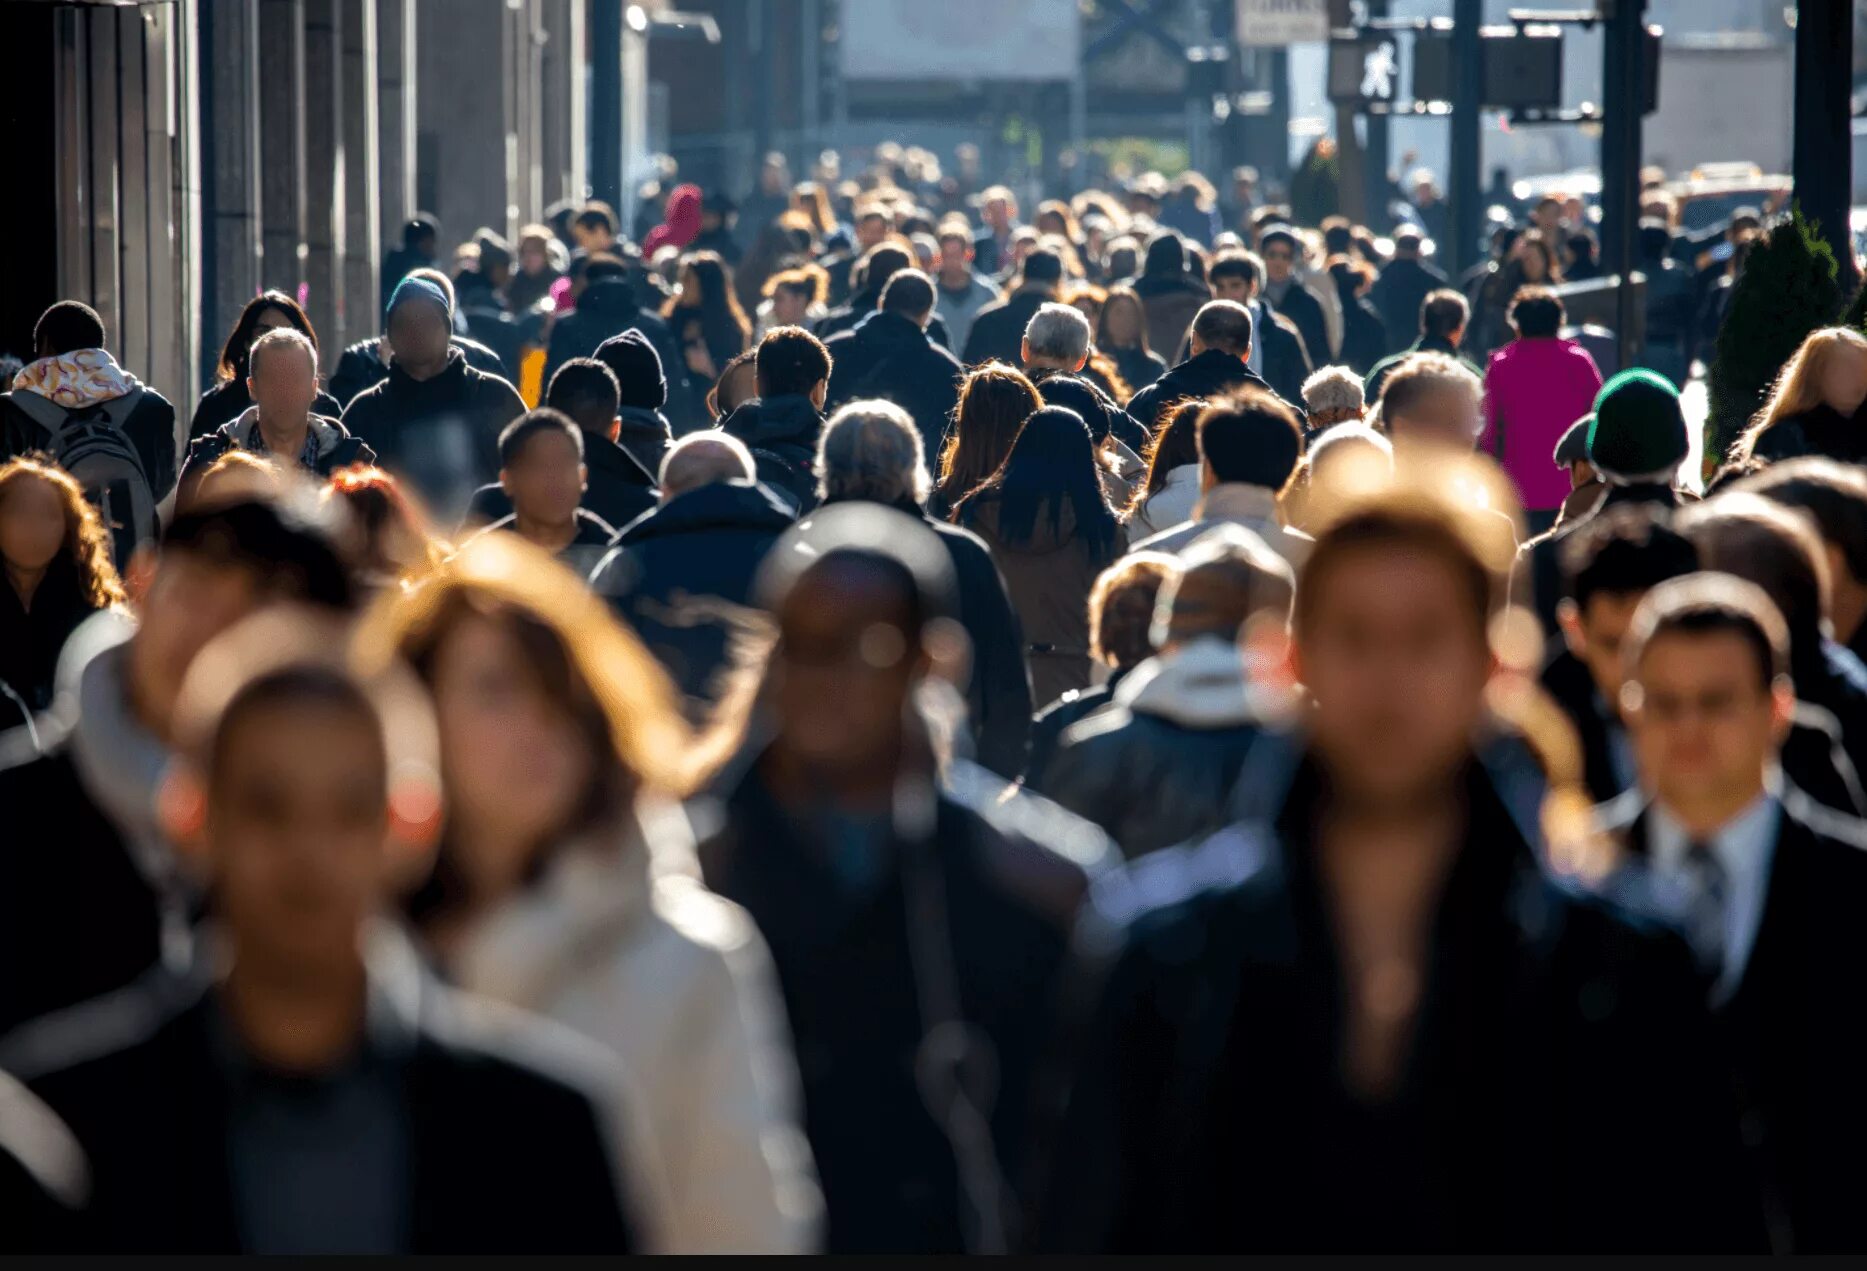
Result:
{"points": [[1217, 366], [682, 575]]}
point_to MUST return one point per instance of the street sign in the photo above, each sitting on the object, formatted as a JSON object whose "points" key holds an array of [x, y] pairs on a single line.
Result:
{"points": [[1276, 22]]}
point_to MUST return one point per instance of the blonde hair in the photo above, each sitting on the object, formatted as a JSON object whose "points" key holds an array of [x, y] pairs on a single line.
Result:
{"points": [[1799, 388]]}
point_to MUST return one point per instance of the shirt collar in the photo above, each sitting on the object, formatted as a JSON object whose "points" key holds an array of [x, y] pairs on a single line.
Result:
{"points": [[1238, 501], [1740, 846]]}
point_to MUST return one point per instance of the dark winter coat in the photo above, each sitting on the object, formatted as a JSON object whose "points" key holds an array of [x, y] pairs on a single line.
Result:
{"points": [[336, 448], [440, 434], [646, 435], [31, 639], [506, 1120], [1795, 1045], [1536, 575], [1088, 399], [1157, 767], [864, 305], [782, 433], [1364, 338], [682, 578], [606, 309], [1563, 1091], [1822, 431], [998, 329], [1211, 374], [1049, 579], [1139, 367], [889, 357], [228, 400], [617, 488], [1056, 719], [582, 554], [1287, 364], [1305, 311], [1170, 303], [361, 367], [1377, 377], [1398, 295], [851, 963]]}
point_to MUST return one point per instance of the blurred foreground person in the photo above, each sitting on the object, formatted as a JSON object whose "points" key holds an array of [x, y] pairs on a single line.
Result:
{"points": [[1466, 1055], [917, 924], [1769, 887], [871, 452], [89, 893], [566, 885], [1158, 765], [305, 1087]]}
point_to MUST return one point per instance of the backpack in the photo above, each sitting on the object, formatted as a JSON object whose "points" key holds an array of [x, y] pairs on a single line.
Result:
{"points": [[90, 443]]}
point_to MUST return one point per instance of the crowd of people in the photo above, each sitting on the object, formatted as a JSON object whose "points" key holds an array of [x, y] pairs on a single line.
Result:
{"points": [[854, 722]]}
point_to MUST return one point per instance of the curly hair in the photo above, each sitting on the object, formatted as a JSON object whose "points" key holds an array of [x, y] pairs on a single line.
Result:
{"points": [[86, 548]]}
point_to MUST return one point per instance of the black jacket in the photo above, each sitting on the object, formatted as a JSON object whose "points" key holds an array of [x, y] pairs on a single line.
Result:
{"points": [[991, 886], [682, 578], [1563, 1091], [1211, 373], [646, 435], [508, 1141], [441, 434], [1157, 767], [1398, 295], [228, 400], [1378, 373], [1057, 719], [608, 308], [1085, 397], [1305, 310], [1139, 367], [998, 329], [860, 308], [1364, 338], [1796, 1045], [1287, 364], [617, 487], [361, 367], [583, 553], [336, 448], [782, 433], [1822, 431], [1536, 574], [888, 356], [30, 639]]}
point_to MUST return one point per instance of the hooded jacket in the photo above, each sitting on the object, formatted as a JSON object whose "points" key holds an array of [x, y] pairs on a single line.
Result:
{"points": [[332, 445], [606, 309], [646, 435], [89, 894], [617, 488], [619, 941], [682, 578], [888, 356], [440, 434], [1049, 579], [782, 433], [361, 366], [681, 225], [1157, 766]]}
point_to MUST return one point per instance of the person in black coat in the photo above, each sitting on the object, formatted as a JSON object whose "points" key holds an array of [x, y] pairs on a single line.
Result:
{"points": [[617, 487], [1264, 1061], [435, 421], [301, 1093], [641, 396], [88, 892], [874, 272], [873, 454], [1769, 887], [228, 399], [1283, 251], [606, 307], [889, 357], [1221, 346], [1402, 288], [1121, 618], [998, 329], [365, 364], [1157, 767], [1364, 338], [917, 924], [682, 575], [781, 426]]}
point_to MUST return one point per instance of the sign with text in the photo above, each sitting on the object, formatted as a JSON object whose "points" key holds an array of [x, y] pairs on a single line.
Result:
{"points": [[1276, 22]]}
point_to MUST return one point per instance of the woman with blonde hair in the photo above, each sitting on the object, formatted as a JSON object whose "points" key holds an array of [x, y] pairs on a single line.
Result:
{"points": [[1817, 405], [565, 884], [994, 402], [56, 553]]}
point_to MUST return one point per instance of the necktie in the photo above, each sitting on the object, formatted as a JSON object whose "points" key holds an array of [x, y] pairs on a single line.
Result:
{"points": [[1709, 885]]}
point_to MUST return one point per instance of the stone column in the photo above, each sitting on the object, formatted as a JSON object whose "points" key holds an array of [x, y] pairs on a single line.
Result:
{"points": [[395, 100], [325, 109], [562, 145], [282, 142], [463, 143], [230, 195], [362, 243]]}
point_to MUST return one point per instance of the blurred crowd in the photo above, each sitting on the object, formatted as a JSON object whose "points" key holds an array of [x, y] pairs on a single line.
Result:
{"points": [[851, 721]]}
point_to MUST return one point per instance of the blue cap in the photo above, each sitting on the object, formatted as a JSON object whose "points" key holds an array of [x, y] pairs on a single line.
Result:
{"points": [[413, 288]]}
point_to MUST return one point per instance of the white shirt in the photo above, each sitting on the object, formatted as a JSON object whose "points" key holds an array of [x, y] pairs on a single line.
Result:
{"points": [[1744, 847]]}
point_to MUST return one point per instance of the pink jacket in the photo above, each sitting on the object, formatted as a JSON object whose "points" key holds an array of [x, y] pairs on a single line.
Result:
{"points": [[1535, 389]]}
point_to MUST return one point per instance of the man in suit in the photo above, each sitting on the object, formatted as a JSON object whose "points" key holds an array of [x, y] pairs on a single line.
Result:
{"points": [[310, 1089], [1768, 886]]}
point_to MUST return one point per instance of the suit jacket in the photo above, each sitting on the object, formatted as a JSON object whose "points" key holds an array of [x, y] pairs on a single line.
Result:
{"points": [[508, 1149], [1792, 1031]]}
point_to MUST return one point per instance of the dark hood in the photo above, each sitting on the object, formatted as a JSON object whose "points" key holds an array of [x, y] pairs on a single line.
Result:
{"points": [[605, 458], [446, 386], [789, 418], [723, 505], [641, 424], [609, 298], [1166, 258]]}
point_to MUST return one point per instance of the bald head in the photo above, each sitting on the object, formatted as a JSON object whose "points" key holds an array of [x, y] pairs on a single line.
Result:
{"points": [[704, 459]]}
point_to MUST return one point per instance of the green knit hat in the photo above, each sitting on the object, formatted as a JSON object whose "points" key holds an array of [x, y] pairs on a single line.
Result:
{"points": [[1639, 427]]}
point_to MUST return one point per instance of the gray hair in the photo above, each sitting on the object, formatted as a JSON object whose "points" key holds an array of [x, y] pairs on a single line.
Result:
{"points": [[1058, 333], [1332, 390], [872, 450], [703, 459], [279, 338]]}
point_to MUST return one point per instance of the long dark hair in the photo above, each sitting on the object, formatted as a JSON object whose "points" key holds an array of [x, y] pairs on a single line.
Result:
{"points": [[246, 330], [1052, 465], [723, 322], [994, 402], [1175, 446]]}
